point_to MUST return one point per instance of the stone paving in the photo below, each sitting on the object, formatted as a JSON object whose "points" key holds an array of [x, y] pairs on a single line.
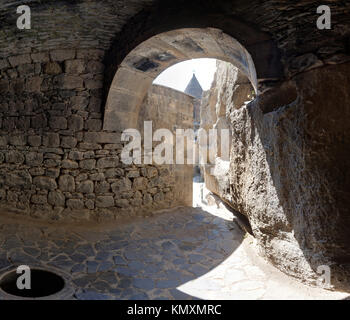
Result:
{"points": [[183, 253]]}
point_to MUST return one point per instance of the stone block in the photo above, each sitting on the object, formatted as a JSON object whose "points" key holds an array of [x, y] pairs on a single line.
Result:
{"points": [[65, 81], [110, 162], [34, 159], [87, 164], [69, 164], [75, 123], [95, 67], [4, 64], [85, 187], [104, 201], [56, 198], [40, 57], [51, 140], [68, 142], [66, 183], [102, 137], [62, 54], [58, 123], [20, 59], [75, 204], [52, 68], [76, 66], [45, 183], [94, 124]]}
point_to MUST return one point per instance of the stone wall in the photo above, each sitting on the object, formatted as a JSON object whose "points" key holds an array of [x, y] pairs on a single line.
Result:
{"points": [[171, 109], [289, 168], [55, 160]]}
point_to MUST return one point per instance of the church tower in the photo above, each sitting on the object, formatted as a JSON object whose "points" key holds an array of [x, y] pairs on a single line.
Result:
{"points": [[193, 88]]}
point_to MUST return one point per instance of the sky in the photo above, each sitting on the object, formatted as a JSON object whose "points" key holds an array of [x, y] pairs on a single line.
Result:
{"points": [[179, 75]]}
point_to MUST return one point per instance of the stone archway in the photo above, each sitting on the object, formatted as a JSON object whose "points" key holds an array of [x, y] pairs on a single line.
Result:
{"points": [[144, 63]]}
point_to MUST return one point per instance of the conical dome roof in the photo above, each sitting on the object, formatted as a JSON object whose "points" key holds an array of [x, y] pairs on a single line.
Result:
{"points": [[193, 88]]}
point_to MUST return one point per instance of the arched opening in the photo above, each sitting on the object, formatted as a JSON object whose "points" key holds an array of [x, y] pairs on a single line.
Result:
{"points": [[144, 63], [133, 100]]}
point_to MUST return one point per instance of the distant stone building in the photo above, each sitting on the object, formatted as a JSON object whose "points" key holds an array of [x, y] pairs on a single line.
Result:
{"points": [[195, 90]]}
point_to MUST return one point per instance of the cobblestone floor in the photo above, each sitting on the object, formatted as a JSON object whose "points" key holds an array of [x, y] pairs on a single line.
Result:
{"points": [[183, 253]]}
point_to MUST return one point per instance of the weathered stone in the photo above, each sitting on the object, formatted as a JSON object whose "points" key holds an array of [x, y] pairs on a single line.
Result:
{"points": [[18, 179], [69, 164], [52, 172], [76, 155], [120, 185], [66, 183], [122, 203], [93, 84], [51, 140], [64, 81], [18, 140], [26, 70], [114, 172], [34, 141], [34, 84], [104, 201], [75, 123], [89, 146], [75, 204], [140, 183], [45, 183], [95, 67], [39, 199], [74, 66], [37, 171], [14, 157], [87, 164], [52, 68], [62, 54], [18, 60], [56, 198], [102, 137], [102, 187], [40, 57], [90, 54], [133, 174], [79, 102], [4, 64], [58, 123], [38, 121], [97, 176], [85, 187], [110, 162], [34, 158], [68, 142], [94, 124]]}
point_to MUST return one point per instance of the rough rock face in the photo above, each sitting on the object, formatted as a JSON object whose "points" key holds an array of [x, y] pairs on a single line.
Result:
{"points": [[230, 89], [289, 173]]}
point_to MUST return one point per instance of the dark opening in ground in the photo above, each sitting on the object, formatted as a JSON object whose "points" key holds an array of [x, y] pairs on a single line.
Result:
{"points": [[43, 283]]}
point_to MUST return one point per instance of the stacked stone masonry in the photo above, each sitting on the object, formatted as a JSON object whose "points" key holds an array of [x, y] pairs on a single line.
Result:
{"points": [[54, 158]]}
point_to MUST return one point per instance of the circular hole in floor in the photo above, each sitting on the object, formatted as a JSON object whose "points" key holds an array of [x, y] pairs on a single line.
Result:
{"points": [[43, 283]]}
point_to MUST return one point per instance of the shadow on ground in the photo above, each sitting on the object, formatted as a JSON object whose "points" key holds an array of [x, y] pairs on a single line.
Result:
{"points": [[146, 259]]}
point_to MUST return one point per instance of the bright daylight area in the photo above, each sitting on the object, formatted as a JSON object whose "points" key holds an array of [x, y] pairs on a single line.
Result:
{"points": [[182, 77], [180, 74]]}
